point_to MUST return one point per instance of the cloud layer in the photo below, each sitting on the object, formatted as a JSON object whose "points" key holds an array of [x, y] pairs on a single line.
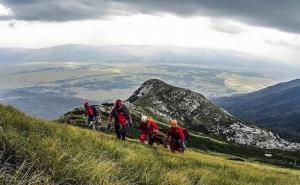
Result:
{"points": [[279, 14]]}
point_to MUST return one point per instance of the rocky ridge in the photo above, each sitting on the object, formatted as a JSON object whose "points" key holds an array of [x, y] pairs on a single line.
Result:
{"points": [[197, 113]]}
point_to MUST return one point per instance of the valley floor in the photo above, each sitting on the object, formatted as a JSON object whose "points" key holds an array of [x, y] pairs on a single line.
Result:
{"points": [[39, 152]]}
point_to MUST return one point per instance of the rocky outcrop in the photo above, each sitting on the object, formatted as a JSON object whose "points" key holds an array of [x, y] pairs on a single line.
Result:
{"points": [[197, 113]]}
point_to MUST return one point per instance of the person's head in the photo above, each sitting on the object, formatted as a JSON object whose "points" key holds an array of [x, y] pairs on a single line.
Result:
{"points": [[144, 119], [150, 119], [86, 104], [173, 123], [119, 104]]}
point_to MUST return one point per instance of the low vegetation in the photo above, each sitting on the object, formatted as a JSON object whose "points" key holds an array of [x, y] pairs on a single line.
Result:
{"points": [[34, 151]]}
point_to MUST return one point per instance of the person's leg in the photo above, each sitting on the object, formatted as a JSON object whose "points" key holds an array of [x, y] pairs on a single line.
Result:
{"points": [[173, 146], [180, 147], [123, 132], [93, 123], [96, 123], [150, 139], [118, 130], [89, 120], [143, 137]]}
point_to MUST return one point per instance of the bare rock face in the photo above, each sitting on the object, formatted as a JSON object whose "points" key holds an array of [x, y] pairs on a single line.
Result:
{"points": [[197, 113]]}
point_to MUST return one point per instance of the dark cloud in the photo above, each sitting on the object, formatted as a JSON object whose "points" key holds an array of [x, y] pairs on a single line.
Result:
{"points": [[280, 14]]}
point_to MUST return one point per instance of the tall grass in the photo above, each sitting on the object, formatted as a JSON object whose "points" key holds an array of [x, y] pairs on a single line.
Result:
{"points": [[39, 152]]}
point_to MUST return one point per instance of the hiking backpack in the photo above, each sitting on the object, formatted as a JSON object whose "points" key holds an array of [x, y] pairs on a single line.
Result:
{"points": [[96, 109], [186, 135]]}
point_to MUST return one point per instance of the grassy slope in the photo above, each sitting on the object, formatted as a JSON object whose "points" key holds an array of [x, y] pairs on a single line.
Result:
{"points": [[36, 151], [207, 143]]}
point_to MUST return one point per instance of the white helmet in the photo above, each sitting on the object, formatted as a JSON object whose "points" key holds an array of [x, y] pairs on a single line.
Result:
{"points": [[144, 119]]}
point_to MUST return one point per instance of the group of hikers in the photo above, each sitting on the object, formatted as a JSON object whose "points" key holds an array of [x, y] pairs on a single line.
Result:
{"points": [[149, 131]]}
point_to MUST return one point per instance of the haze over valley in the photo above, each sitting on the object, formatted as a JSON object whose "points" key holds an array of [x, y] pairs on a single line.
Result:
{"points": [[37, 80]]}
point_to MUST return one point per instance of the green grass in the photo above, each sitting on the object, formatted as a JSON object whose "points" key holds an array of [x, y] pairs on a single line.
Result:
{"points": [[39, 152]]}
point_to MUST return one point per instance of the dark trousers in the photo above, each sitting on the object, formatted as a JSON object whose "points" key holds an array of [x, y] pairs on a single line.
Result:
{"points": [[151, 139], [176, 145], [120, 131]]}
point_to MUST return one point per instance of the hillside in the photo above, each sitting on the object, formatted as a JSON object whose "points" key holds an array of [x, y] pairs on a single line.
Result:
{"points": [[276, 107], [212, 128], [39, 152], [199, 141], [197, 113]]}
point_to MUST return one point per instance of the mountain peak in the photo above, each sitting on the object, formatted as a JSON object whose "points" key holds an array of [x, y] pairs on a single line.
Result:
{"points": [[190, 108], [197, 113]]}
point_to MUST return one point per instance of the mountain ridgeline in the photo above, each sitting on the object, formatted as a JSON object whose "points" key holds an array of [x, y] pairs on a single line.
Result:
{"points": [[276, 107], [197, 113]]}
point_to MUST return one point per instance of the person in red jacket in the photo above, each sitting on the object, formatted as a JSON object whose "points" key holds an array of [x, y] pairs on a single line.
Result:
{"points": [[122, 117], [89, 112], [149, 129], [176, 134]]}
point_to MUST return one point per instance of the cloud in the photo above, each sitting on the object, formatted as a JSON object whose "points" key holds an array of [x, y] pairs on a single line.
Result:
{"points": [[12, 24], [4, 11], [293, 44], [225, 26], [279, 14]]}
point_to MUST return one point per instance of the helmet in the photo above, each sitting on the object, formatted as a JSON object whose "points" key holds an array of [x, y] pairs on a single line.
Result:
{"points": [[144, 119], [119, 103], [173, 122], [86, 104]]}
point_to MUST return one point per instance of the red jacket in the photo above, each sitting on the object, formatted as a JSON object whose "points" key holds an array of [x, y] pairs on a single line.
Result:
{"points": [[148, 127], [89, 111], [176, 133], [121, 116]]}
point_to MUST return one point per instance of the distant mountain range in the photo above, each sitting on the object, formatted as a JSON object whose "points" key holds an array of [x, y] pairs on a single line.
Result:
{"points": [[43, 105], [276, 107], [145, 54]]}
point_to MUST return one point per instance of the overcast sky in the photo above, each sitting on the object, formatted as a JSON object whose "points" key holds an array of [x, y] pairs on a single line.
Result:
{"points": [[266, 28]]}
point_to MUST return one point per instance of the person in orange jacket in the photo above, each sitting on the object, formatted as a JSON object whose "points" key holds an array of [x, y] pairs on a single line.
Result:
{"points": [[149, 129], [176, 134]]}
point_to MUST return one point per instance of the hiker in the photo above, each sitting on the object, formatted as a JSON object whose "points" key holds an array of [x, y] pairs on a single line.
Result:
{"points": [[93, 117], [176, 134], [149, 130], [122, 117]]}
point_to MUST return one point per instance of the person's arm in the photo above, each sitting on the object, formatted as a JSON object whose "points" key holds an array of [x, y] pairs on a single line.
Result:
{"points": [[141, 127], [85, 111], [168, 135], [130, 120], [181, 134], [155, 127], [127, 115]]}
